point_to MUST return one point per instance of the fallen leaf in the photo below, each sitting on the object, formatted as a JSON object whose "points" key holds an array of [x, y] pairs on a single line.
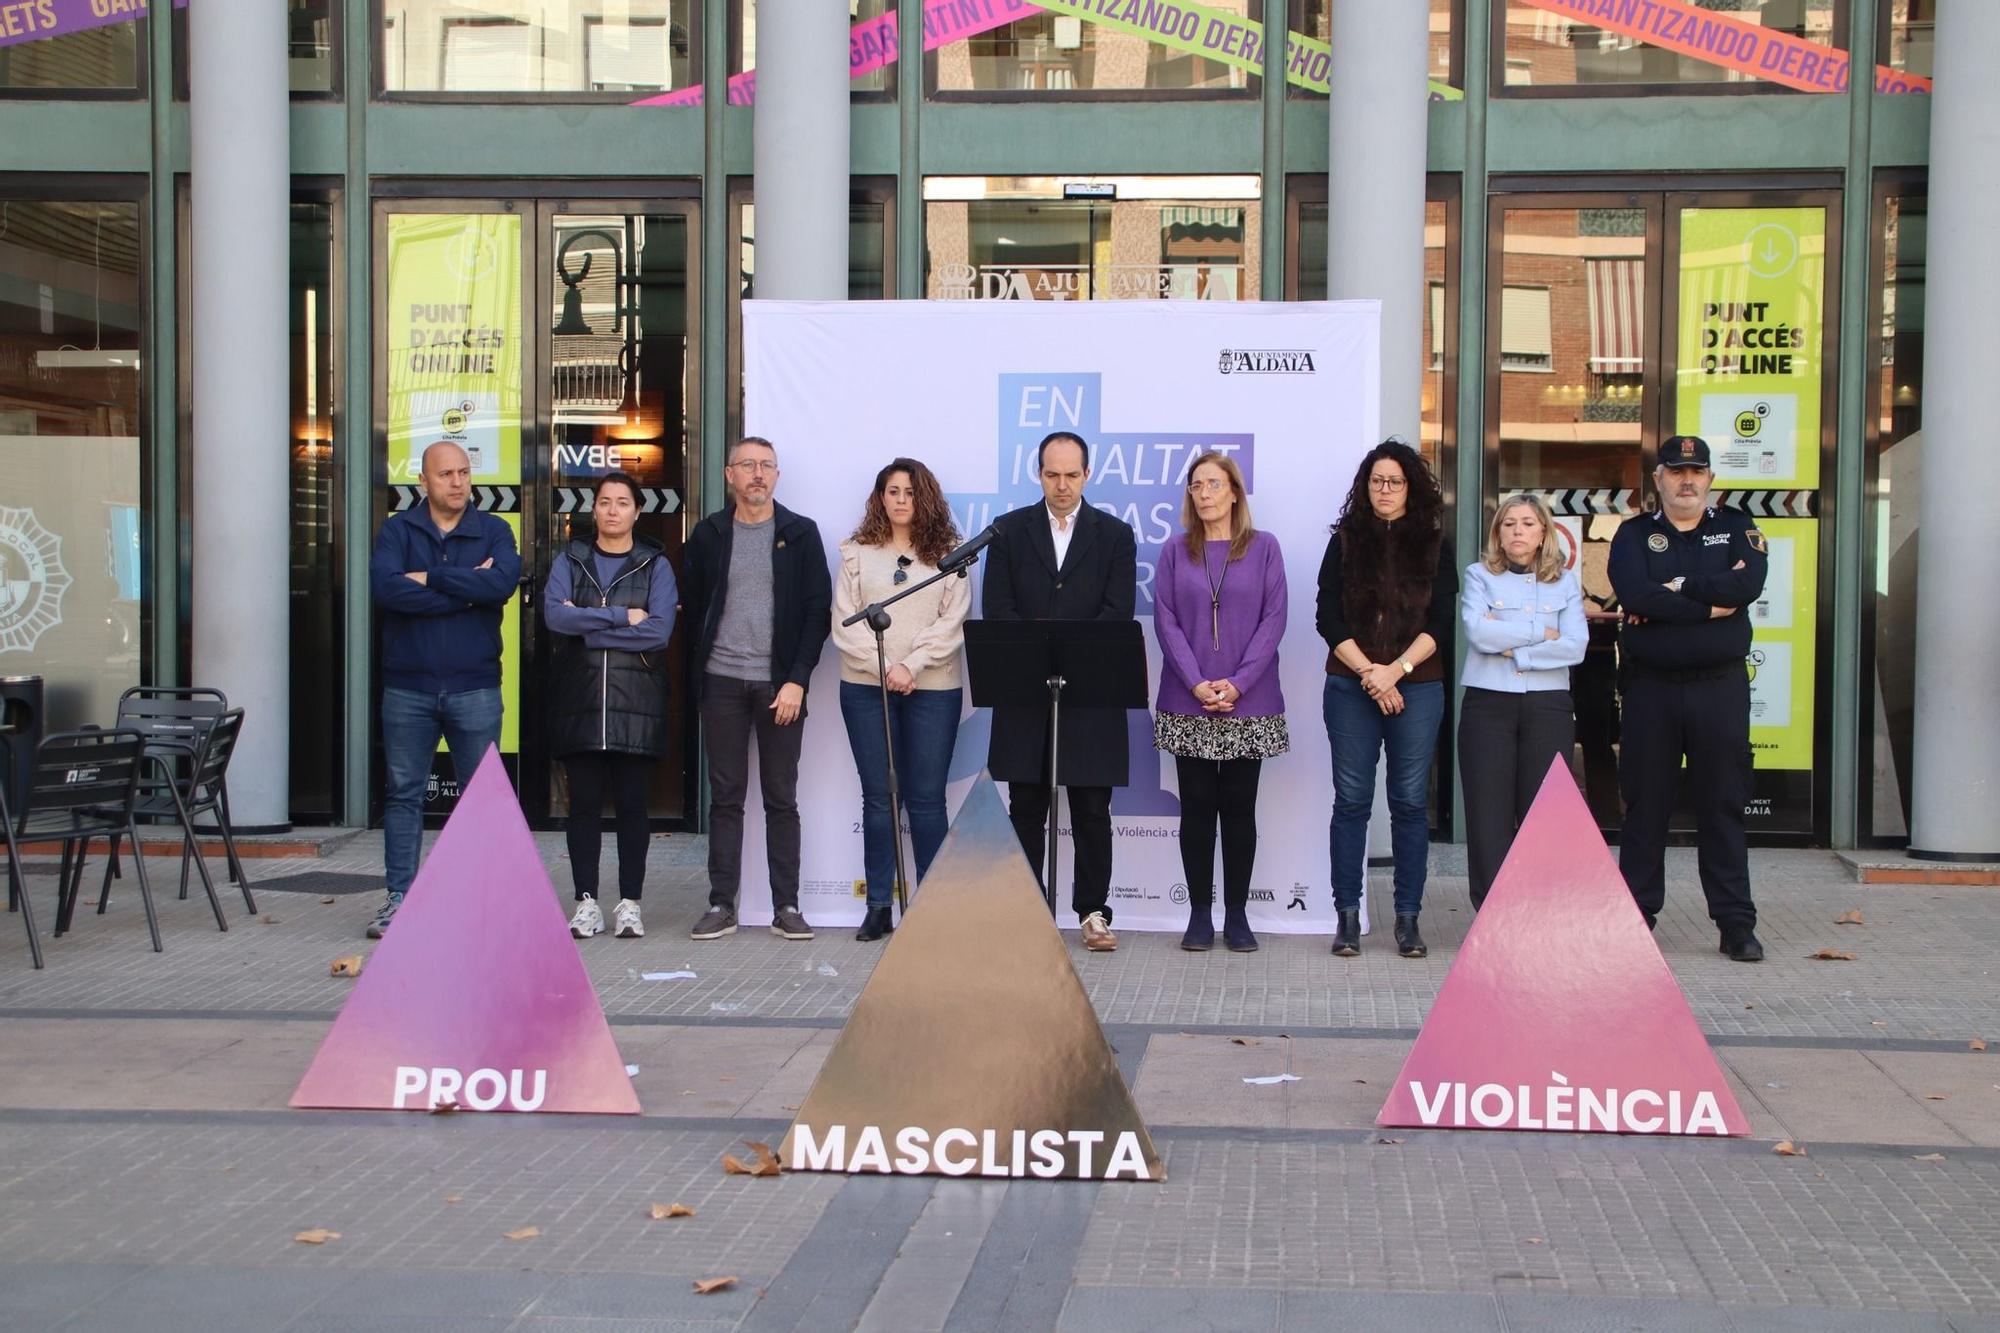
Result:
{"points": [[704, 1286], [1878, 1023], [268, 920], [1786, 1148], [734, 1166], [1536, 1240], [1244, 1041], [1387, 1141], [524, 1233], [767, 1161], [1852, 917], [317, 1236], [451, 1198], [1833, 955], [1976, 1044], [662, 1211], [443, 1108], [1937, 1096], [326, 902], [349, 966], [1928, 1157]]}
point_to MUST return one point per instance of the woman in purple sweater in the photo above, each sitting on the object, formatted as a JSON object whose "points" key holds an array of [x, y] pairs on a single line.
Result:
{"points": [[1219, 611]]}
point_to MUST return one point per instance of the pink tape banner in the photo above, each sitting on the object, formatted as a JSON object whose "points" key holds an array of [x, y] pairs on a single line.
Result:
{"points": [[39, 20], [1720, 39]]}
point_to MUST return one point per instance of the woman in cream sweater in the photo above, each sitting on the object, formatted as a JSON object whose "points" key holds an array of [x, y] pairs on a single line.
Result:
{"points": [[905, 530]]}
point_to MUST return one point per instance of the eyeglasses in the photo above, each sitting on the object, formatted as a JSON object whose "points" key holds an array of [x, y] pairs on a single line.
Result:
{"points": [[902, 574], [755, 465], [1213, 486], [1388, 483]]}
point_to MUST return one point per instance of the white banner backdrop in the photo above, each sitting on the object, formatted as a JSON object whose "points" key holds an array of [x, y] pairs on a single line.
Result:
{"points": [[1289, 390]]}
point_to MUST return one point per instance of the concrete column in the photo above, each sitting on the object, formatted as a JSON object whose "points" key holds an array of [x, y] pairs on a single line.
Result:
{"points": [[1956, 783], [1377, 143], [800, 139], [239, 120]]}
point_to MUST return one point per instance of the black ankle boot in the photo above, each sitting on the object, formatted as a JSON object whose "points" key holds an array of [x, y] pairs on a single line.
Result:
{"points": [[874, 925], [1236, 932], [1408, 942], [1200, 936], [1347, 934]]}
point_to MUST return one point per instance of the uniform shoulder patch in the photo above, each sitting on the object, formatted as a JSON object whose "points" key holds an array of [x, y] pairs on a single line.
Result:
{"points": [[1657, 541], [1756, 540]]}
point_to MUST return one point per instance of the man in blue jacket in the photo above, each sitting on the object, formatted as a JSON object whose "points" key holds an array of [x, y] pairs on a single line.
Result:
{"points": [[442, 573]]}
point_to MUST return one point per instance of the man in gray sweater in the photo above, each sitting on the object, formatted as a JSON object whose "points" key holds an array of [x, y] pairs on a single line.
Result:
{"points": [[760, 599]]}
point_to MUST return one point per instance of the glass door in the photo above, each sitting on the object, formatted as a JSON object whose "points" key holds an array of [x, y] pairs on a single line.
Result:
{"points": [[614, 326], [1616, 320]]}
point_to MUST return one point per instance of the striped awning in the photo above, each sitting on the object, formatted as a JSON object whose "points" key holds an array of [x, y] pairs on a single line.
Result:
{"points": [[1617, 315]]}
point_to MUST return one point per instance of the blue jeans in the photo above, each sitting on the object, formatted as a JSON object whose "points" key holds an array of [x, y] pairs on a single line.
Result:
{"points": [[925, 724], [1358, 731], [412, 723]]}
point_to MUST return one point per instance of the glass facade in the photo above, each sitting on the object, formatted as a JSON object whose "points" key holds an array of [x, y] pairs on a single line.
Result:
{"points": [[71, 51], [1895, 426], [1158, 50], [503, 47], [1583, 320], [1762, 42], [73, 555]]}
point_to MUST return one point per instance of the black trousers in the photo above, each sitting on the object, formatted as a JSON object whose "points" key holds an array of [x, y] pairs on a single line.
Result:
{"points": [[1706, 717], [1218, 792], [734, 713], [1090, 839], [628, 777], [1505, 745]]}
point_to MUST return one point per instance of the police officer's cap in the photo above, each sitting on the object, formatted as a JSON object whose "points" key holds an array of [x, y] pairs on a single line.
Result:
{"points": [[1684, 451]]}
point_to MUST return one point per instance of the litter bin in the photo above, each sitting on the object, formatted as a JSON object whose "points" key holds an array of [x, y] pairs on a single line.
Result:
{"points": [[20, 735]]}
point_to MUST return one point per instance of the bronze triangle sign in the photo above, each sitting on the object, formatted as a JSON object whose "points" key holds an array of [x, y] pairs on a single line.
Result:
{"points": [[1559, 1012], [973, 1050]]}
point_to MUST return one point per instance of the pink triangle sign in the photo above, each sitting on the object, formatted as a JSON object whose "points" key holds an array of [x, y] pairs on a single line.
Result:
{"points": [[476, 995], [1559, 1012]]}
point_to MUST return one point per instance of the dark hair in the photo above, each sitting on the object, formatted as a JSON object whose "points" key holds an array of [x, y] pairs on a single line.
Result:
{"points": [[1387, 568], [1055, 435], [932, 532], [1426, 503], [625, 479]]}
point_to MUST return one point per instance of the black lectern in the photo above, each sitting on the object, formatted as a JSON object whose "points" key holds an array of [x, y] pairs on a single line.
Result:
{"points": [[1058, 664]]}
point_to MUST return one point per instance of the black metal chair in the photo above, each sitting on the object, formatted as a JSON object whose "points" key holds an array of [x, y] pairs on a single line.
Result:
{"points": [[85, 785], [202, 793], [17, 882], [175, 719]]}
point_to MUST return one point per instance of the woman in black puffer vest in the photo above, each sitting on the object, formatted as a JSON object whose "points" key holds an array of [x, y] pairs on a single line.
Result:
{"points": [[610, 607]]}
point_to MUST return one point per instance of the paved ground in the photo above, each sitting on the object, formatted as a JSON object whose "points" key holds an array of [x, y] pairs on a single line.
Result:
{"points": [[151, 1176]]}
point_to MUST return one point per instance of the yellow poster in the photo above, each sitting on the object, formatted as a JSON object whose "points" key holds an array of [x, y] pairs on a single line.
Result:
{"points": [[454, 364], [1784, 634], [1750, 367], [454, 341]]}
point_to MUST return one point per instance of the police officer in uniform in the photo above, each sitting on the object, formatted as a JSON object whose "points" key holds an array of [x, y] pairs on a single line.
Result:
{"points": [[1686, 576]]}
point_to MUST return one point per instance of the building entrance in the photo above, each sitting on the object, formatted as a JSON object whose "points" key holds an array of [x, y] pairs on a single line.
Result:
{"points": [[554, 340], [1617, 320]]}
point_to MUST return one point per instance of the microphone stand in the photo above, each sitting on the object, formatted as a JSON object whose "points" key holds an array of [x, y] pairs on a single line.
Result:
{"points": [[877, 616]]}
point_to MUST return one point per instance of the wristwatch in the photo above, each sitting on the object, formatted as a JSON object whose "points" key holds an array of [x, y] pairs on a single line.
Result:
{"points": [[1404, 663]]}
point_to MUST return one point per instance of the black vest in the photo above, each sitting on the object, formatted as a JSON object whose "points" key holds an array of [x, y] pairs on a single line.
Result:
{"points": [[605, 699]]}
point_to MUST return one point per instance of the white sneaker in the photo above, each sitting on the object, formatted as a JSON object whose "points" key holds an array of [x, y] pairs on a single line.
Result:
{"points": [[625, 922], [587, 920]]}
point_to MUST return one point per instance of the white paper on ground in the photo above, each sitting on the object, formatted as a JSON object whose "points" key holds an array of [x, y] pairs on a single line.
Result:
{"points": [[1273, 1078]]}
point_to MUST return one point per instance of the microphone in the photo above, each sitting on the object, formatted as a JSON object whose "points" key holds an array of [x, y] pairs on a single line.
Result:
{"points": [[969, 552]]}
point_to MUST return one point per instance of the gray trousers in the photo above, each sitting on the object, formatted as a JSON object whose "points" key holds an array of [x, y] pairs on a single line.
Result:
{"points": [[732, 712]]}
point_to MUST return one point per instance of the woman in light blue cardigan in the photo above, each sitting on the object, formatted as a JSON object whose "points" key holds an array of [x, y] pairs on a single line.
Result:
{"points": [[1524, 630]]}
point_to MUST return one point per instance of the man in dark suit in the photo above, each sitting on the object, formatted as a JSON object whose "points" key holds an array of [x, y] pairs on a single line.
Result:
{"points": [[1063, 560]]}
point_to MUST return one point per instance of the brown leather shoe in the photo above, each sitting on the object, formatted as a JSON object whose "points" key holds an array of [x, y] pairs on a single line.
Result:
{"points": [[1097, 936]]}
